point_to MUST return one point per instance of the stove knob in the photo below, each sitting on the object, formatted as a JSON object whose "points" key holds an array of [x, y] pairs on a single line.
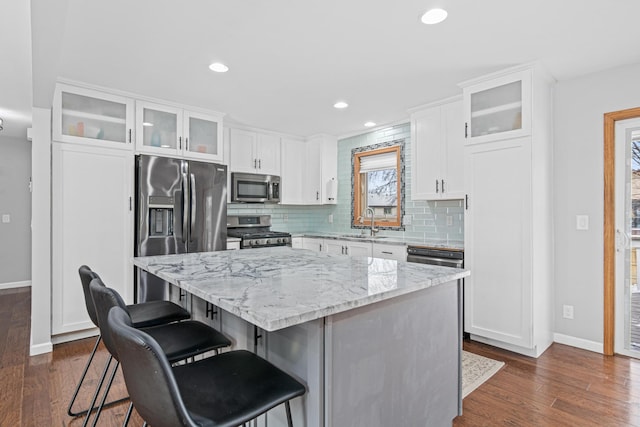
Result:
{"points": [[249, 242]]}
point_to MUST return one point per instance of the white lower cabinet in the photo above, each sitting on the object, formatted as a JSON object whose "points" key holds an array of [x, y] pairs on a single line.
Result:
{"points": [[92, 223], [313, 244], [397, 252], [347, 247]]}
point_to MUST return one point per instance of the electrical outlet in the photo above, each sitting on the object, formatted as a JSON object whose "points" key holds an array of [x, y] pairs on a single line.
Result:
{"points": [[449, 220], [567, 311], [330, 218], [6, 219], [285, 217], [406, 220]]}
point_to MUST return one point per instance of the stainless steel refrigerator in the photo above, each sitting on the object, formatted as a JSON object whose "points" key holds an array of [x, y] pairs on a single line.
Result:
{"points": [[181, 207]]}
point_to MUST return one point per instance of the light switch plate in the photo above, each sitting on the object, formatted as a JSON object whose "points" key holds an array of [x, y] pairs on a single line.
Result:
{"points": [[6, 218], [582, 222], [406, 220]]}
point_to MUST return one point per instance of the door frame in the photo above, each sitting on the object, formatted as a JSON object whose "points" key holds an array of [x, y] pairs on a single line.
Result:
{"points": [[610, 120]]}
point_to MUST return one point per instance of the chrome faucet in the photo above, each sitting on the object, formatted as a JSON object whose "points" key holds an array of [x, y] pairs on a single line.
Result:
{"points": [[374, 230]]}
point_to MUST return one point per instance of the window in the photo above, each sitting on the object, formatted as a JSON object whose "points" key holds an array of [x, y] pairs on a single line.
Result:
{"points": [[378, 189]]}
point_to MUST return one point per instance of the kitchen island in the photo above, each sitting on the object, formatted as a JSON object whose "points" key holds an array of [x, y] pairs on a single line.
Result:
{"points": [[376, 341]]}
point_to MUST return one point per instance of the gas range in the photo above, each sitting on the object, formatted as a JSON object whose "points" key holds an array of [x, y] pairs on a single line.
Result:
{"points": [[254, 231]]}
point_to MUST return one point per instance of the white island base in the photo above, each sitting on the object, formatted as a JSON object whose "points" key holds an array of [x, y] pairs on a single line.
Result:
{"points": [[392, 363]]}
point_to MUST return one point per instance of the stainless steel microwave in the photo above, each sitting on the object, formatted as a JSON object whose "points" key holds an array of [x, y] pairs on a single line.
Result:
{"points": [[254, 188]]}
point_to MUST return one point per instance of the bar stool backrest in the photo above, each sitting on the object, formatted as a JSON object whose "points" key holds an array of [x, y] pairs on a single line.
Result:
{"points": [[147, 374], [105, 299], [86, 276]]}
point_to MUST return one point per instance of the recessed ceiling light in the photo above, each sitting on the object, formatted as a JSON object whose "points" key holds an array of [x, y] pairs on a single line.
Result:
{"points": [[218, 67], [341, 104], [434, 16], [369, 124]]}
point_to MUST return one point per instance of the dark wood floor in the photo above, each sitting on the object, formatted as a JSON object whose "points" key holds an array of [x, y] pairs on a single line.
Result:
{"points": [[564, 387]]}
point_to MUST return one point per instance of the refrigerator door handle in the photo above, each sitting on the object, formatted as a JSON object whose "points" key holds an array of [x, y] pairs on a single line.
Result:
{"points": [[192, 213], [185, 208]]}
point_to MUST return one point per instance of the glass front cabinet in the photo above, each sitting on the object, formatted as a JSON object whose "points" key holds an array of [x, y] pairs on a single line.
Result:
{"points": [[172, 131], [91, 117], [498, 108]]}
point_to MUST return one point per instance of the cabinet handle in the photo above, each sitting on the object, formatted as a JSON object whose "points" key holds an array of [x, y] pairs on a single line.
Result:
{"points": [[466, 202], [130, 203], [129, 136], [388, 253], [255, 163], [259, 163], [317, 195], [466, 130], [437, 188], [346, 250], [256, 337], [442, 180], [320, 247], [186, 143], [179, 143]]}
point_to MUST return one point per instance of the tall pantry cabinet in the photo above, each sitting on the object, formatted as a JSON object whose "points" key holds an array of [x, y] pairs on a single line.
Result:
{"points": [[508, 232], [92, 190]]}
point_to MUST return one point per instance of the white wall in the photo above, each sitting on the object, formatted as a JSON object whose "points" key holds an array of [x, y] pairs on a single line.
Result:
{"points": [[578, 166], [15, 201]]}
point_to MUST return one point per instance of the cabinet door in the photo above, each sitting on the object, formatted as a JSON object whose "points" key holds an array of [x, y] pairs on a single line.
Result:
{"points": [[92, 225], [292, 183], [452, 185], [335, 246], [202, 136], [426, 156], [313, 244], [358, 249], [498, 297], [158, 129], [329, 181], [93, 118], [241, 151], [312, 168], [268, 154], [499, 108]]}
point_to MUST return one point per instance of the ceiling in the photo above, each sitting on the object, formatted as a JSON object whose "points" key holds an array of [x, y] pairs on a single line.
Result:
{"points": [[291, 60]]}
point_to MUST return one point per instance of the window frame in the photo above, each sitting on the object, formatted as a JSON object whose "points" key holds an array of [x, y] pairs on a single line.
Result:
{"points": [[356, 197]]}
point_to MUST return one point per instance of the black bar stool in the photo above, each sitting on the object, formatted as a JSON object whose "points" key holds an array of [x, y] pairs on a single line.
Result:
{"points": [[222, 391], [144, 314], [177, 341]]}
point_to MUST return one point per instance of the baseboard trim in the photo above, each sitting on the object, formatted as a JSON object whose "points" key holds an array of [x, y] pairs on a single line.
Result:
{"points": [[73, 336], [12, 285], [37, 349], [596, 347]]}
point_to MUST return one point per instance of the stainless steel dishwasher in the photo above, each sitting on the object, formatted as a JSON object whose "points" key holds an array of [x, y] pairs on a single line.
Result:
{"points": [[443, 257], [436, 256]]}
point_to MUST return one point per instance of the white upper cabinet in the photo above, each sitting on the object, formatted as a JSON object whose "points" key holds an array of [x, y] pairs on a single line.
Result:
{"points": [[309, 171], [86, 116], [499, 108], [254, 152], [292, 185], [437, 151], [173, 131]]}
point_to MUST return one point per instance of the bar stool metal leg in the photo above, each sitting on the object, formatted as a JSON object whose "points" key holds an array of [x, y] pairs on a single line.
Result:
{"points": [[97, 392], [125, 423], [287, 408], [82, 377], [106, 392]]}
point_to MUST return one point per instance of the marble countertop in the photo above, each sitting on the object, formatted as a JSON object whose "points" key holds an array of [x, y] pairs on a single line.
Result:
{"points": [[385, 240], [278, 287]]}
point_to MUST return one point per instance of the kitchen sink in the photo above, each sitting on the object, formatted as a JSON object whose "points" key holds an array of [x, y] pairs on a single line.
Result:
{"points": [[361, 236]]}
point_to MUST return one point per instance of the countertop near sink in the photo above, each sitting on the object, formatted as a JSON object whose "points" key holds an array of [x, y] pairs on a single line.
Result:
{"points": [[387, 240]]}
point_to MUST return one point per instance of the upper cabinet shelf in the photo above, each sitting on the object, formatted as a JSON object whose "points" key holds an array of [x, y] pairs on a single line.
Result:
{"points": [[90, 117], [497, 108]]}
